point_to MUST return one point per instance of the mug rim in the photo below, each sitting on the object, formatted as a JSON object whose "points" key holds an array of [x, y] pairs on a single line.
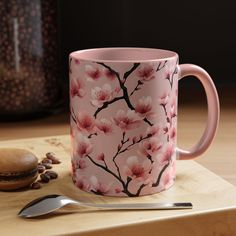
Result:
{"points": [[151, 54]]}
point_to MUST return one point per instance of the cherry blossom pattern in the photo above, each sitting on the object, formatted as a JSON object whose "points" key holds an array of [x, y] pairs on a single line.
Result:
{"points": [[77, 61], [150, 147], [127, 120], [101, 157], [104, 126], [81, 164], [167, 154], [171, 70], [163, 101], [82, 183], [109, 74], [93, 72], [101, 95], [153, 130], [144, 107], [136, 169], [169, 176], [172, 133], [173, 108], [78, 164], [85, 122], [77, 88], [98, 187], [146, 72], [84, 146]]}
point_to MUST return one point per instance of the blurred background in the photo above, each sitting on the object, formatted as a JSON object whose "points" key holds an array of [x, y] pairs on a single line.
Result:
{"points": [[201, 32], [36, 37]]}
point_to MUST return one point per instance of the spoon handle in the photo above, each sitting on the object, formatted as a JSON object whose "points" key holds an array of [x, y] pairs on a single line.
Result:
{"points": [[143, 206]]}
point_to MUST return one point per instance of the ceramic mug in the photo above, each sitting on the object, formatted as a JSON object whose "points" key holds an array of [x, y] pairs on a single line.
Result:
{"points": [[124, 119]]}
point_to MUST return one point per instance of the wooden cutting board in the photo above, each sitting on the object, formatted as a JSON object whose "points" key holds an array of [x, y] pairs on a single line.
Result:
{"points": [[214, 201]]}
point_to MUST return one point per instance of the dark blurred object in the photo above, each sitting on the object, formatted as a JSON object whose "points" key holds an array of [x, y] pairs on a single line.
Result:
{"points": [[201, 32], [29, 61]]}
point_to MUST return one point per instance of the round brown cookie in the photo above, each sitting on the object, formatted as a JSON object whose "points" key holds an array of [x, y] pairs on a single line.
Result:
{"points": [[18, 168]]}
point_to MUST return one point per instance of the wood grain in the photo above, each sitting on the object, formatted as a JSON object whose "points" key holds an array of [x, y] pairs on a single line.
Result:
{"points": [[213, 198]]}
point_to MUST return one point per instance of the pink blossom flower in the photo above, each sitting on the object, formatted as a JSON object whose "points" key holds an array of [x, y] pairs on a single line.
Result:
{"points": [[77, 88], [92, 72], [173, 108], [77, 61], [85, 122], [101, 157], [128, 120], [144, 106], [172, 133], [82, 183], [84, 146], [137, 169], [109, 74], [167, 154], [163, 100], [153, 130], [146, 72], [101, 95], [118, 190], [150, 147], [104, 126], [98, 187], [165, 129], [81, 164], [117, 89]]}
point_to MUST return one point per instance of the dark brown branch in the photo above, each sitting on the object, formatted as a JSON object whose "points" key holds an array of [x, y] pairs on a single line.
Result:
{"points": [[127, 74], [159, 67], [91, 135], [139, 190], [73, 116], [160, 175], [106, 169], [132, 144], [137, 87], [111, 70], [125, 92], [164, 107], [125, 185], [106, 104], [172, 77]]}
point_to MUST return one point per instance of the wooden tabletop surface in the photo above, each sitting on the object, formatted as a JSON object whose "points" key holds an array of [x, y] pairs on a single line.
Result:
{"points": [[220, 158]]}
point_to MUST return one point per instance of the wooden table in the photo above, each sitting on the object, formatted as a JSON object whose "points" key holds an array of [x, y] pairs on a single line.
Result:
{"points": [[214, 199]]}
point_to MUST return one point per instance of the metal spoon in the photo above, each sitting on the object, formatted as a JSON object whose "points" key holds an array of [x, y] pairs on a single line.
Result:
{"points": [[49, 203]]}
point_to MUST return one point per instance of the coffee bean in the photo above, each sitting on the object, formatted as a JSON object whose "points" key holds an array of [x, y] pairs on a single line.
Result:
{"points": [[52, 174], [46, 160], [44, 178], [41, 168], [36, 185], [47, 165], [52, 156]]}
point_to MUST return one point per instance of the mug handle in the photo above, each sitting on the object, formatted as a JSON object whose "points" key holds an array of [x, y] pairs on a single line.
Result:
{"points": [[213, 111]]}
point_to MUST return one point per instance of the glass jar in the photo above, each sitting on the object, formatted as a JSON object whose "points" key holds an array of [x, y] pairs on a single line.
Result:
{"points": [[29, 61]]}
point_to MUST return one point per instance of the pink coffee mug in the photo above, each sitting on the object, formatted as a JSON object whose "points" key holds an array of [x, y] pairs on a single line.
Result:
{"points": [[124, 119]]}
